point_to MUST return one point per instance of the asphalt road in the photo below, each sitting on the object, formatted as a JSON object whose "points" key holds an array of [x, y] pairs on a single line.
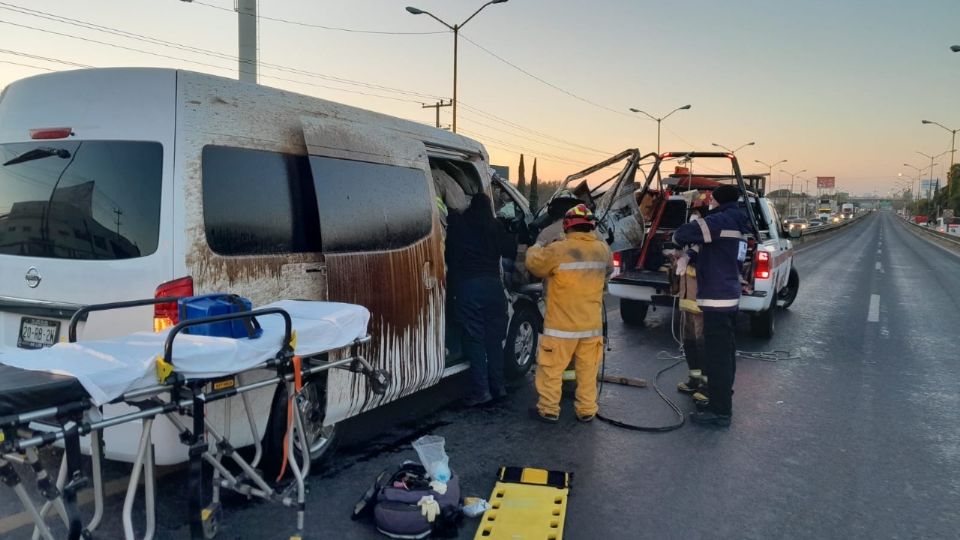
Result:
{"points": [[854, 436]]}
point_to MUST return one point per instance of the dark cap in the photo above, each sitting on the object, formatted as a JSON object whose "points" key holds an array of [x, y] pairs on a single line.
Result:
{"points": [[726, 193]]}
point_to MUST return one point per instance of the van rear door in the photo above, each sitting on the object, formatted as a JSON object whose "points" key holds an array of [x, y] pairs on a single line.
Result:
{"points": [[383, 247], [82, 214]]}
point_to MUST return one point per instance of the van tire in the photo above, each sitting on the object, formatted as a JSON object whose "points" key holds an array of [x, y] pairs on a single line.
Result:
{"points": [[520, 348], [273, 435], [788, 294], [762, 324], [633, 312]]}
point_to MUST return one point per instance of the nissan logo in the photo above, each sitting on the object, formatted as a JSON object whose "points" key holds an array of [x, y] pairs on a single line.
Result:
{"points": [[33, 277]]}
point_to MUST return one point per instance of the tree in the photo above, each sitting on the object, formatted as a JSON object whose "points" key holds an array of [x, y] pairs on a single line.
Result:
{"points": [[534, 195], [522, 182], [954, 183]]}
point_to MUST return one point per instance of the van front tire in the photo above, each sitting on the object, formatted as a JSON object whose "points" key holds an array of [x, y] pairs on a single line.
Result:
{"points": [[520, 348]]}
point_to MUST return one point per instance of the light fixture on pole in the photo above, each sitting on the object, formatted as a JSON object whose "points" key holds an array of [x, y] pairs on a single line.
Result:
{"points": [[734, 151], [932, 164], [770, 167], [659, 120], [456, 35], [955, 48], [792, 176], [953, 143], [916, 194]]}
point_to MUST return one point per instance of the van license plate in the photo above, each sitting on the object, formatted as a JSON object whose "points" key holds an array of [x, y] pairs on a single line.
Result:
{"points": [[37, 333]]}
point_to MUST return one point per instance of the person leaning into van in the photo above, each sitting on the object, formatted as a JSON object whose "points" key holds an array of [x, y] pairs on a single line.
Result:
{"points": [[575, 270], [475, 243], [723, 248]]}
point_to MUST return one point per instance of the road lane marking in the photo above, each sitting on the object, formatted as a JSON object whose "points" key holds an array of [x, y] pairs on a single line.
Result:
{"points": [[873, 314], [879, 267], [879, 252]]}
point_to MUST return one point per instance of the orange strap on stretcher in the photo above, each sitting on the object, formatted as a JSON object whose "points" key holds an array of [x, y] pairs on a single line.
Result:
{"points": [[297, 386]]}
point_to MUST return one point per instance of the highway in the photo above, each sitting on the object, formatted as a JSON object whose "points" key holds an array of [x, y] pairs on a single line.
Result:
{"points": [[853, 435]]}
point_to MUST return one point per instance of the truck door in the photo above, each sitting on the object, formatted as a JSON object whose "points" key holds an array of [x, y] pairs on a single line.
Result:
{"points": [[383, 248]]}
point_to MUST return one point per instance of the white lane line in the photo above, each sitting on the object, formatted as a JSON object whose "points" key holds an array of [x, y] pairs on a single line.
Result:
{"points": [[879, 252], [879, 267], [873, 314]]}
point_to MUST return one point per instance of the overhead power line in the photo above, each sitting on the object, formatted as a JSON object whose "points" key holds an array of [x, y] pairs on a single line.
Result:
{"points": [[25, 65], [44, 58], [323, 27]]}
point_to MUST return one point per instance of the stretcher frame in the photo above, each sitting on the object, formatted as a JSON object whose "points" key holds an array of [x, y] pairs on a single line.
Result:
{"points": [[174, 395]]}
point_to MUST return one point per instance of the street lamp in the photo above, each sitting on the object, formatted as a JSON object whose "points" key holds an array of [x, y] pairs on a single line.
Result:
{"points": [[733, 151], [658, 120], [790, 194], [770, 167], [916, 194], [955, 48], [456, 35], [932, 164], [953, 143]]}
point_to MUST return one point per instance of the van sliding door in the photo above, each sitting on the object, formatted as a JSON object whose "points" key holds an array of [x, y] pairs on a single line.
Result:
{"points": [[383, 248]]}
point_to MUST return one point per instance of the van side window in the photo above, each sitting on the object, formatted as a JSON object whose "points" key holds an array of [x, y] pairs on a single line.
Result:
{"points": [[257, 202], [370, 206]]}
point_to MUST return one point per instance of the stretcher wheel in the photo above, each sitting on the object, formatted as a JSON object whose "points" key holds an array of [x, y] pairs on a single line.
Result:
{"points": [[210, 518]]}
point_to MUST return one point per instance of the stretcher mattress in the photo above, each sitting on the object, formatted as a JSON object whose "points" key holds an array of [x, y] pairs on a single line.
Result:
{"points": [[106, 369], [24, 390]]}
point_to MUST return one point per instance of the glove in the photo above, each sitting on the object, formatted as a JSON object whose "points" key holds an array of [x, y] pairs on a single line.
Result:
{"points": [[429, 508], [438, 486], [682, 263]]}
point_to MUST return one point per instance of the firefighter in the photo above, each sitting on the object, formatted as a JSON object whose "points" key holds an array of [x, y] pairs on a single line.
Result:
{"points": [[575, 270], [723, 248]]}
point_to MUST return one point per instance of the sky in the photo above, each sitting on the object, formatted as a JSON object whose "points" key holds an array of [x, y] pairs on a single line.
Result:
{"points": [[836, 87]]}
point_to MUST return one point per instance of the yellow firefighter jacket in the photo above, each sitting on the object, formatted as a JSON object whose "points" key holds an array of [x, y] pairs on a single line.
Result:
{"points": [[575, 270]]}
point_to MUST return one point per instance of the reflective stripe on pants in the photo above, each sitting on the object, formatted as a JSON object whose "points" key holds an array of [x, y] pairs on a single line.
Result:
{"points": [[553, 357]]}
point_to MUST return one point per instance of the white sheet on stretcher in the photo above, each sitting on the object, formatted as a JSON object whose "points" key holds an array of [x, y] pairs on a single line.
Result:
{"points": [[110, 367]]}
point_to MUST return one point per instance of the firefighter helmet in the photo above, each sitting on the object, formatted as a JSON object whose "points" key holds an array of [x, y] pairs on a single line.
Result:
{"points": [[579, 215]]}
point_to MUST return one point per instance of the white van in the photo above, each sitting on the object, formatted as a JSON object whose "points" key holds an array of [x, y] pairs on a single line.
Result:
{"points": [[117, 184]]}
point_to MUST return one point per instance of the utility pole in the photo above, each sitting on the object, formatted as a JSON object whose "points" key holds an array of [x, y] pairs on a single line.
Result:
{"points": [[437, 107], [247, 39], [119, 213]]}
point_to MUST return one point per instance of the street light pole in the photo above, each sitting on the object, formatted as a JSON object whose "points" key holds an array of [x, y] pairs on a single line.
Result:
{"points": [[916, 194], [659, 120], [790, 194], [953, 147], [456, 41], [930, 187], [733, 151], [770, 167]]}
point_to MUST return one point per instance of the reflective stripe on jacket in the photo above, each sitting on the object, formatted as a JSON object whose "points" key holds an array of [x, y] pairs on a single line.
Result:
{"points": [[575, 271], [722, 235]]}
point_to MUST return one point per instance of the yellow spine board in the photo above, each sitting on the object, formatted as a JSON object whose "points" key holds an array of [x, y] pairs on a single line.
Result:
{"points": [[524, 512]]}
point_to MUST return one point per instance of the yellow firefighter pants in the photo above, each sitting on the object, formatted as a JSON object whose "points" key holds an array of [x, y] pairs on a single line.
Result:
{"points": [[553, 358]]}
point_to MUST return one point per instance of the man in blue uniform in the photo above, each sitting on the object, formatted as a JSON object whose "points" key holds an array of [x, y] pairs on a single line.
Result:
{"points": [[722, 237]]}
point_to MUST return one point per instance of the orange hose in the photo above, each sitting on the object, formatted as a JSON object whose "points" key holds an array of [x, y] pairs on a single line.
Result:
{"points": [[297, 385]]}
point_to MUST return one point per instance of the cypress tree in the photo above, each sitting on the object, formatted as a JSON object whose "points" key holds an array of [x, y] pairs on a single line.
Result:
{"points": [[522, 183], [534, 196]]}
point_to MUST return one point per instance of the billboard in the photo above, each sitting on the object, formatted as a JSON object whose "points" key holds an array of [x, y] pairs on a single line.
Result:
{"points": [[826, 182], [503, 171]]}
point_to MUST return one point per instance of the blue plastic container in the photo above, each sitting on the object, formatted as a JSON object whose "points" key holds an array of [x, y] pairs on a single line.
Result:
{"points": [[211, 305]]}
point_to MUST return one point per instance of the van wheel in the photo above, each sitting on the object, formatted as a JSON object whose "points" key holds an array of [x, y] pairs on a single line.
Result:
{"points": [[321, 439], [520, 348], [762, 324], [788, 294], [633, 311]]}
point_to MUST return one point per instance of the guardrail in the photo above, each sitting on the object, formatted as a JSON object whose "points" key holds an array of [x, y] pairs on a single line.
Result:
{"points": [[950, 240]]}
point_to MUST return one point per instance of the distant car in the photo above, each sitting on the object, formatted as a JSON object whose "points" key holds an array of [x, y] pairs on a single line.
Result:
{"points": [[797, 223], [815, 223], [788, 219]]}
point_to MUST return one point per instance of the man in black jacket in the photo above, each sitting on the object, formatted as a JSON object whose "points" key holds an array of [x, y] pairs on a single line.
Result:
{"points": [[722, 237]]}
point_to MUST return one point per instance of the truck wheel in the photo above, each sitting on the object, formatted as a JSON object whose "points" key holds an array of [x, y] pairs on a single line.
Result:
{"points": [[321, 439], [633, 312], [788, 294], [762, 324], [520, 348]]}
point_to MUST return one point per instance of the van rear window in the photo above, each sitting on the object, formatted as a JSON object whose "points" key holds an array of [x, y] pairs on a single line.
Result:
{"points": [[80, 199]]}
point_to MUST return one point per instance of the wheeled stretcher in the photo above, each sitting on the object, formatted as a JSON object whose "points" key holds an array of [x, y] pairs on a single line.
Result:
{"points": [[56, 396]]}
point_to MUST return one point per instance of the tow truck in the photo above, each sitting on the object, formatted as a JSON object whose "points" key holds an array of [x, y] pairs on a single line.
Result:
{"points": [[643, 271]]}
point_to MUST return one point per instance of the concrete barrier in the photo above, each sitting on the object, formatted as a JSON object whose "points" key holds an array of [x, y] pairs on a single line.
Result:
{"points": [[809, 235], [949, 241]]}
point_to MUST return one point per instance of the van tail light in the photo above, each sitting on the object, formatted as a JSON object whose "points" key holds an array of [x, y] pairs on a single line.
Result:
{"points": [[617, 262], [761, 268], [167, 315]]}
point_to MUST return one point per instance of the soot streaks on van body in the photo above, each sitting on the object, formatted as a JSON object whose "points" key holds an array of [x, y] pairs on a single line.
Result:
{"points": [[405, 297]]}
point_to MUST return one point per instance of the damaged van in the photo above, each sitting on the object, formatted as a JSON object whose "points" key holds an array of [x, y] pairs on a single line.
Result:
{"points": [[119, 184]]}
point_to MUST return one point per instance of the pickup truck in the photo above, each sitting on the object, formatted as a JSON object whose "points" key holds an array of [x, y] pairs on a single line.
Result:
{"points": [[643, 271]]}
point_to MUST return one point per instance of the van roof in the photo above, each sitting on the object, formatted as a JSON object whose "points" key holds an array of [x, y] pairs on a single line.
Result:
{"points": [[117, 78]]}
